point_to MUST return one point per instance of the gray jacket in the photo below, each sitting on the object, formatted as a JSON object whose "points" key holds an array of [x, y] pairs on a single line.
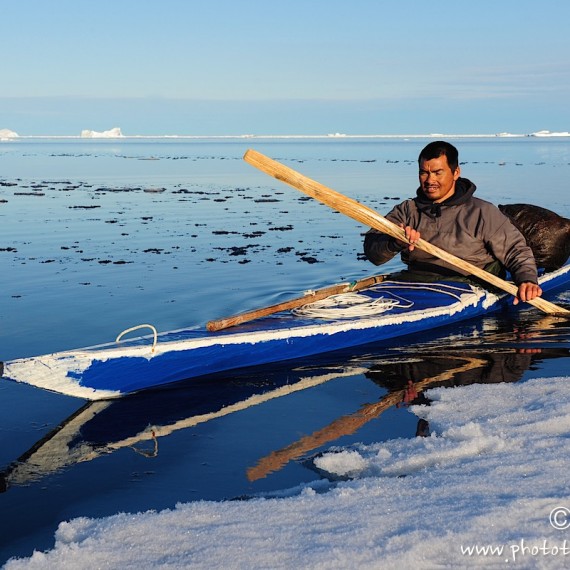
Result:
{"points": [[470, 228]]}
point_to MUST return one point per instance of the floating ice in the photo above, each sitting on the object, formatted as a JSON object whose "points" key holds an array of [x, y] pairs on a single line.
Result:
{"points": [[550, 134], [7, 134], [113, 133]]}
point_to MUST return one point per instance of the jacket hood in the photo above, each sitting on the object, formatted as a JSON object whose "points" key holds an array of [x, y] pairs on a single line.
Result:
{"points": [[464, 189]]}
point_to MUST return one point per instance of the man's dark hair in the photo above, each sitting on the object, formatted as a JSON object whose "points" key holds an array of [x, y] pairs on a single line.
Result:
{"points": [[436, 149]]}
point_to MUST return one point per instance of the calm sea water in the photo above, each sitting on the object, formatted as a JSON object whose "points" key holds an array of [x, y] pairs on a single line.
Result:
{"points": [[98, 236]]}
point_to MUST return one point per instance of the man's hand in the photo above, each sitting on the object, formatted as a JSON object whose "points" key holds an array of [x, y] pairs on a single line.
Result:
{"points": [[412, 236], [527, 292]]}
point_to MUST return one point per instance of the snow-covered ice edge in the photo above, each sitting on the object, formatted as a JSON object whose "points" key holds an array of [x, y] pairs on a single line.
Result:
{"points": [[487, 487]]}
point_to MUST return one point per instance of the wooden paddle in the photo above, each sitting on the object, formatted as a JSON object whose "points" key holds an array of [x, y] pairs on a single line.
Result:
{"points": [[309, 297], [373, 219]]}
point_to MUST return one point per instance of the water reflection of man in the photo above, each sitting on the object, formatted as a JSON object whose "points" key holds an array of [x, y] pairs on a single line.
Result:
{"points": [[447, 370], [412, 377]]}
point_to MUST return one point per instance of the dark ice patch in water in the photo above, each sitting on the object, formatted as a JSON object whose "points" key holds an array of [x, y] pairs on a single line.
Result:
{"points": [[118, 190], [281, 229], [83, 207], [309, 259]]}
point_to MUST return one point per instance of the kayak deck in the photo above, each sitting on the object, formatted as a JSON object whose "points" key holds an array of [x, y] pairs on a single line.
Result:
{"points": [[115, 369]]}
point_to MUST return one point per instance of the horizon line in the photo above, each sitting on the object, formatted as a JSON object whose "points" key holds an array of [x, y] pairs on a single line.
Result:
{"points": [[103, 136]]}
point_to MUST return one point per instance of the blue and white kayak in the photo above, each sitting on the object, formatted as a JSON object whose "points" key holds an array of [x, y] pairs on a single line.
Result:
{"points": [[382, 312]]}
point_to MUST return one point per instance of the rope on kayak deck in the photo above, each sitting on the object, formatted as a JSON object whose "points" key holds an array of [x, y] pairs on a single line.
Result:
{"points": [[353, 305], [349, 305]]}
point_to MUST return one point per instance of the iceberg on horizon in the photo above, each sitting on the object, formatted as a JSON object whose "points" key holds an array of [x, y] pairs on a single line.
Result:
{"points": [[110, 134], [6, 134], [506, 134], [550, 134]]}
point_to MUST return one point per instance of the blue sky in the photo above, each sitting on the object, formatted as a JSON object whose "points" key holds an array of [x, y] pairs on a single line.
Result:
{"points": [[216, 67]]}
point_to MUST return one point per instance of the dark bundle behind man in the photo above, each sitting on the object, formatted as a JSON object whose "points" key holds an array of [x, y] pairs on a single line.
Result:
{"points": [[446, 214]]}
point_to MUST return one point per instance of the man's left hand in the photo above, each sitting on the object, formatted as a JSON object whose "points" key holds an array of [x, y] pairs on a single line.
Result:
{"points": [[527, 292]]}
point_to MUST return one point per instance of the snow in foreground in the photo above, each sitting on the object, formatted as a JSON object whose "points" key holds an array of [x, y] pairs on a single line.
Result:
{"points": [[493, 474]]}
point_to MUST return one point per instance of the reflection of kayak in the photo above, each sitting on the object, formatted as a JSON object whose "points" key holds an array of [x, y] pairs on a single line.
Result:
{"points": [[381, 312], [141, 421], [138, 422]]}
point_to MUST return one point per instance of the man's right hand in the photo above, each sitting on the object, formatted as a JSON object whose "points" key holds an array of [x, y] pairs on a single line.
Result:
{"points": [[412, 236]]}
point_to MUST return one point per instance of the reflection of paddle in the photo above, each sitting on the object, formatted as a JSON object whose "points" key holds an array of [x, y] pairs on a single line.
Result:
{"points": [[373, 219], [346, 425], [309, 297]]}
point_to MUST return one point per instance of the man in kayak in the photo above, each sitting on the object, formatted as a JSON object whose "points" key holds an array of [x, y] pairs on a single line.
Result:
{"points": [[445, 213]]}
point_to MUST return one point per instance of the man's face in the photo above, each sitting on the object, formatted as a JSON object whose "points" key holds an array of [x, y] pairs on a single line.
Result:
{"points": [[437, 180]]}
